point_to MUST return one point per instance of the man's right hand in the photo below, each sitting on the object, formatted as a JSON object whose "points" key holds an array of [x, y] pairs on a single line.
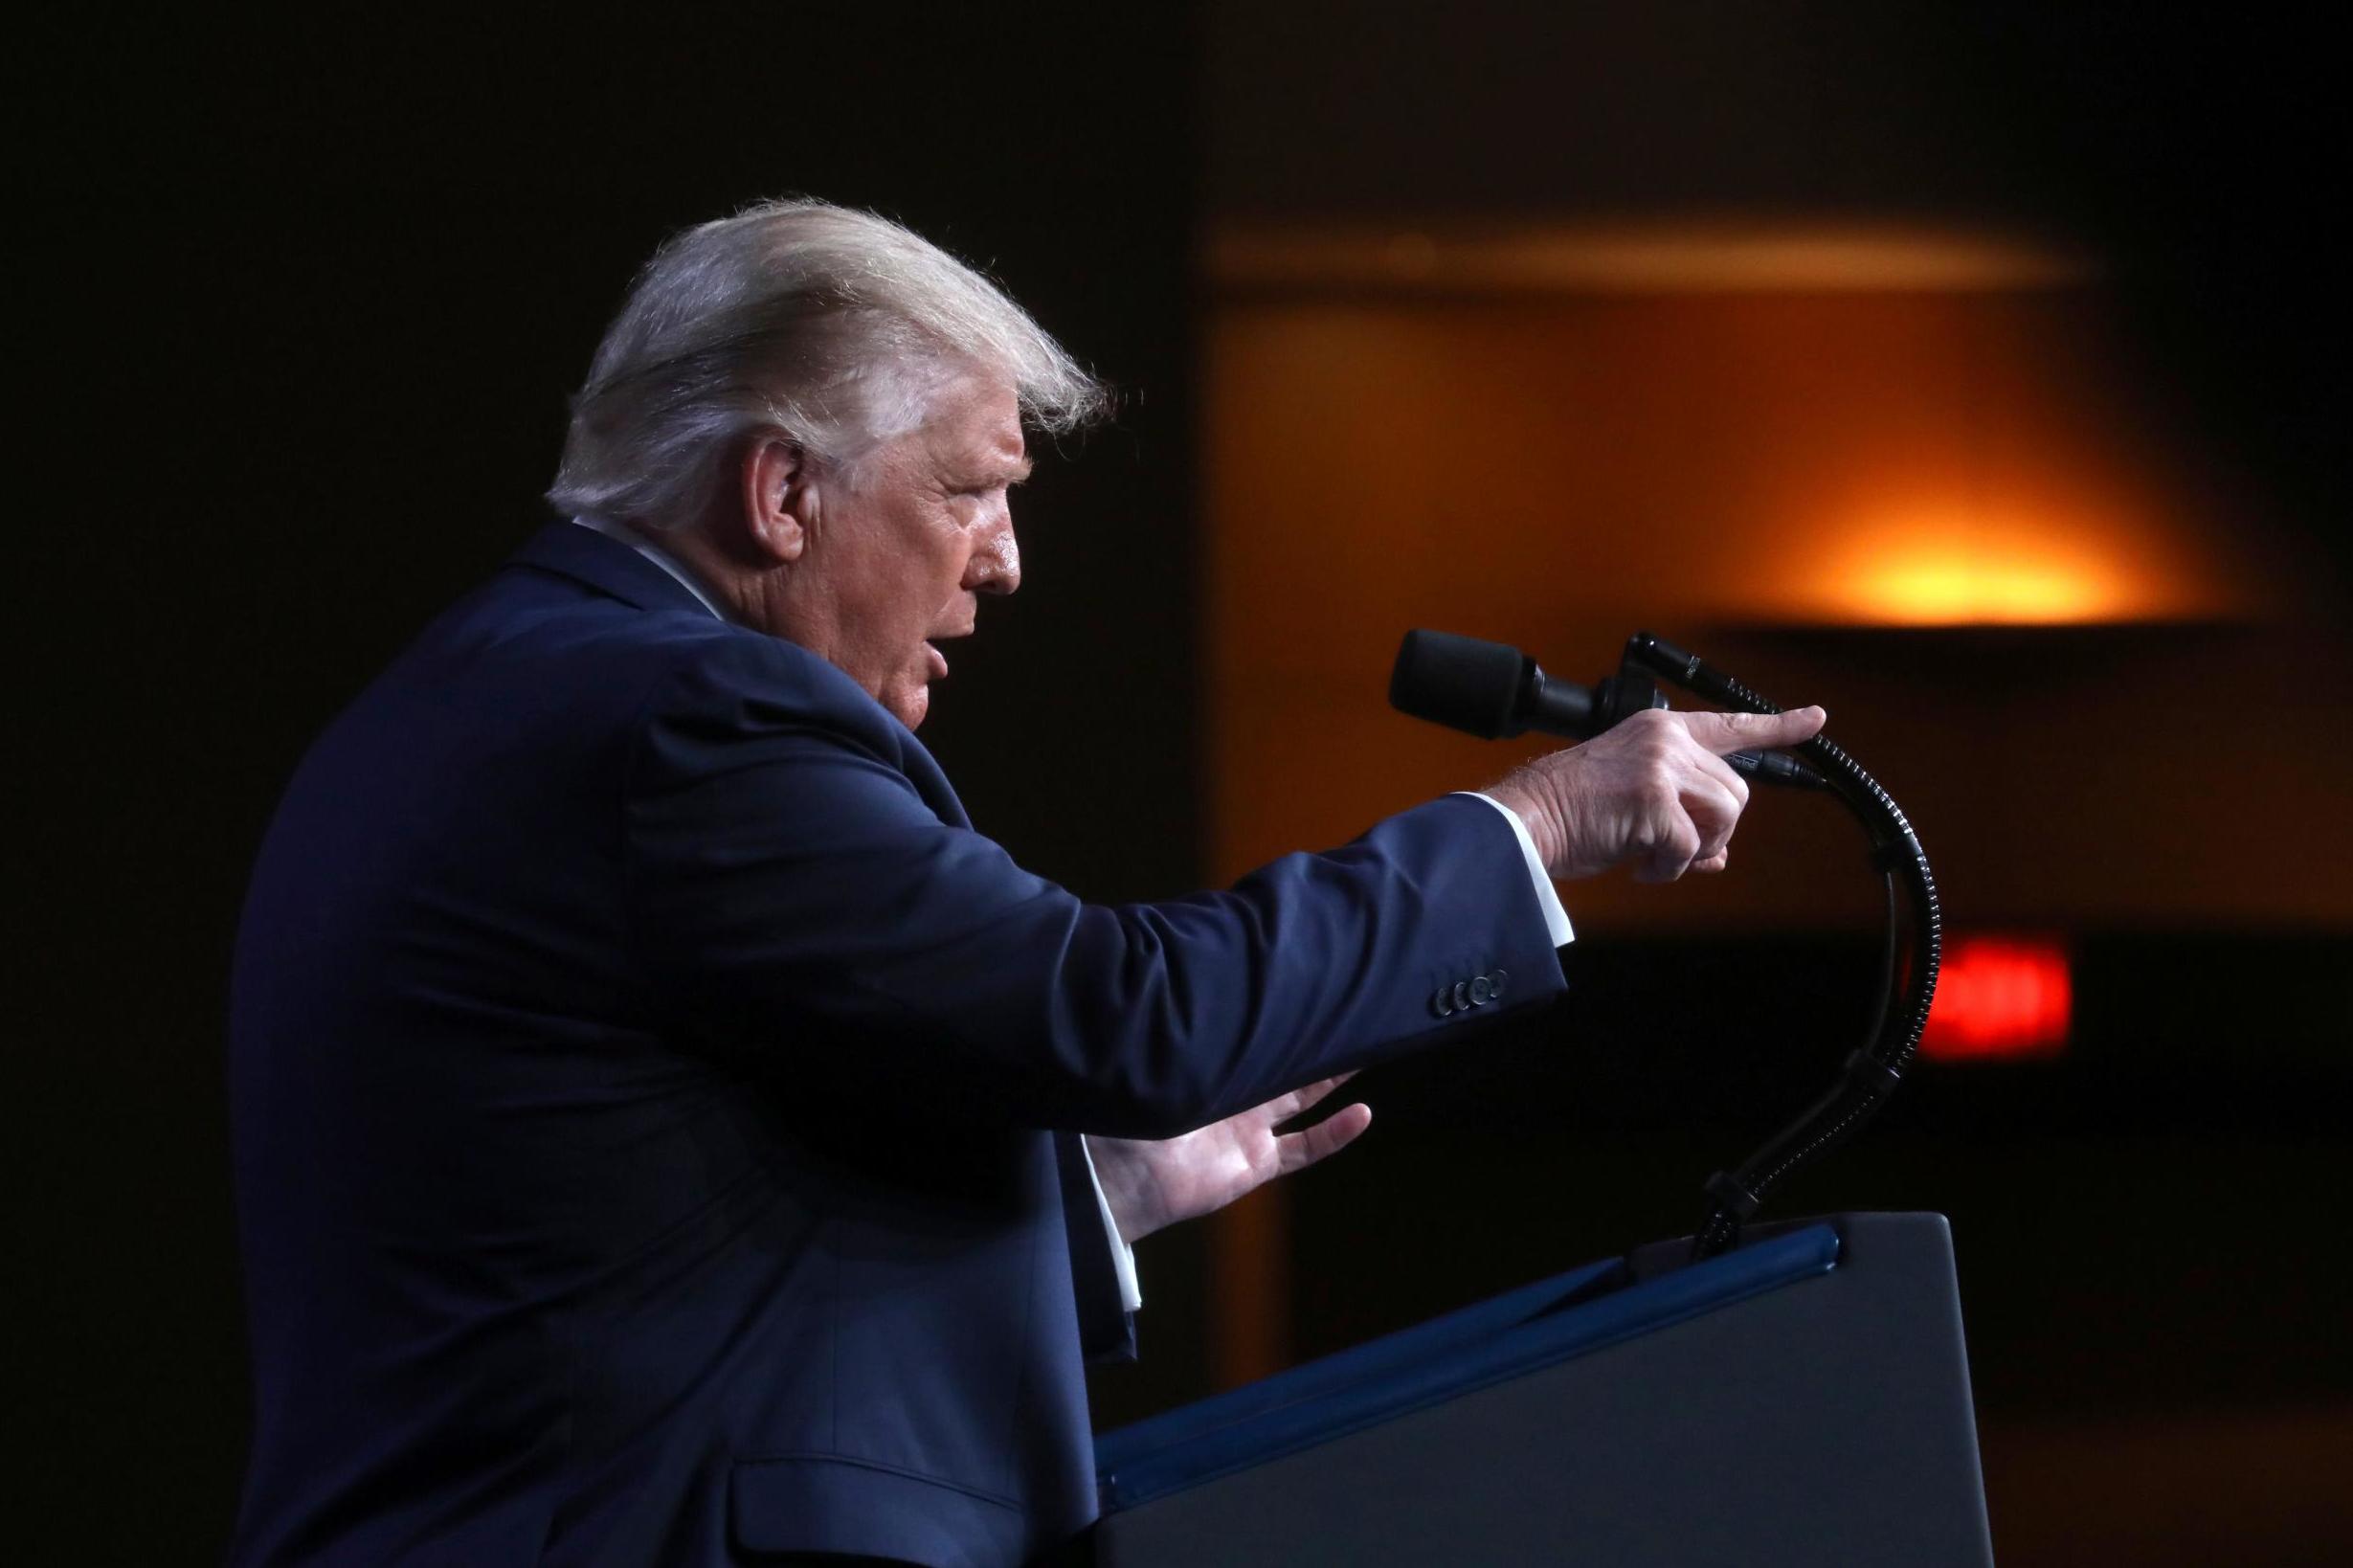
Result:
{"points": [[1654, 789]]}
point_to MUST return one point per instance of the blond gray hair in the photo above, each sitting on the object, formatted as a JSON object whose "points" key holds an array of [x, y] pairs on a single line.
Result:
{"points": [[830, 328]]}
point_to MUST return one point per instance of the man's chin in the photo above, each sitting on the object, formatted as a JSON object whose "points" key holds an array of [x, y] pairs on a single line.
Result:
{"points": [[910, 703]]}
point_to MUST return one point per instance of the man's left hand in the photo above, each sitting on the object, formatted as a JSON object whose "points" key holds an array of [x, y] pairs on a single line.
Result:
{"points": [[1154, 1183]]}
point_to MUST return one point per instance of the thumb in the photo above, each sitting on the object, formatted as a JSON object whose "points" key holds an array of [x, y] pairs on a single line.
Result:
{"points": [[1722, 732]]}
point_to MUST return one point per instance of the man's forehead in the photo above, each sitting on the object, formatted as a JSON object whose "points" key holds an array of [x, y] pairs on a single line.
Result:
{"points": [[1004, 439], [1000, 459], [981, 425]]}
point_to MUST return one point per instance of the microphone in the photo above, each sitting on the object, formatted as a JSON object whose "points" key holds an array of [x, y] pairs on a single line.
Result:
{"points": [[1495, 691]]}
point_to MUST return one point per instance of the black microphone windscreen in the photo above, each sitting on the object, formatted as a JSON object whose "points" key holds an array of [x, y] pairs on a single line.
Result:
{"points": [[1460, 682]]}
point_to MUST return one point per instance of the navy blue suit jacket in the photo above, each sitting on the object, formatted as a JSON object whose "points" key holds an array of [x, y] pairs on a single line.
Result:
{"points": [[655, 1107]]}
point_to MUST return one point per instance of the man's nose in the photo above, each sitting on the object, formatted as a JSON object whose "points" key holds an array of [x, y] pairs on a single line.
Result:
{"points": [[995, 564]]}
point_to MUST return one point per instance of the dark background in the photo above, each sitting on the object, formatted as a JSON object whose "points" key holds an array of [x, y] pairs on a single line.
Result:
{"points": [[307, 294]]}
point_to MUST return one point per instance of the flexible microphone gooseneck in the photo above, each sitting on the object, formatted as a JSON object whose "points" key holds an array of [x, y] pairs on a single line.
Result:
{"points": [[1495, 691]]}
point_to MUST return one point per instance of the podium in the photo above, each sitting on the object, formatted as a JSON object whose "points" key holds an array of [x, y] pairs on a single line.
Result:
{"points": [[1802, 1399]]}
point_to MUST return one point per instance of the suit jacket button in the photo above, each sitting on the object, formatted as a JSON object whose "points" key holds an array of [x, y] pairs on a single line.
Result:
{"points": [[1494, 981], [1482, 992], [1462, 994], [1442, 1003]]}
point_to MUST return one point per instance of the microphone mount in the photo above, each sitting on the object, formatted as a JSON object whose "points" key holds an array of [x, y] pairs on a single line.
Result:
{"points": [[1495, 691]]}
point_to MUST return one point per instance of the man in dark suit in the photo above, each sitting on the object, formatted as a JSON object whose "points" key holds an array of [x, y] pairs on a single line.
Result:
{"points": [[666, 1131]]}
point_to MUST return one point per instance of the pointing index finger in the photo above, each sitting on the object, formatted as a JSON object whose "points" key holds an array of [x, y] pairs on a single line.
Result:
{"points": [[1722, 732]]}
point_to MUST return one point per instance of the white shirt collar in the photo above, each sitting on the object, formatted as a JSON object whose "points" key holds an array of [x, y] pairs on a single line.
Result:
{"points": [[655, 553]]}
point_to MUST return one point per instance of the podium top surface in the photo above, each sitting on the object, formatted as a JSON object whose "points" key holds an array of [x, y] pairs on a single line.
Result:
{"points": [[1505, 1336]]}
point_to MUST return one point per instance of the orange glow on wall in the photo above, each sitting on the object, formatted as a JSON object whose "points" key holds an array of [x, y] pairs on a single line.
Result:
{"points": [[2000, 996], [1763, 426], [1949, 566], [1934, 588], [1750, 460], [1556, 471]]}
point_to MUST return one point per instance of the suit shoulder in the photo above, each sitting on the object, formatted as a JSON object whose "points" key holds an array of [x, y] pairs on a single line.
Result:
{"points": [[523, 628]]}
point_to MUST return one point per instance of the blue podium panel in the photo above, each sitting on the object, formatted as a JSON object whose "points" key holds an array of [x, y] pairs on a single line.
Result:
{"points": [[1803, 1399]]}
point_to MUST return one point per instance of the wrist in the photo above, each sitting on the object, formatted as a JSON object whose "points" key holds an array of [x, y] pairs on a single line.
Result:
{"points": [[1517, 793], [1126, 1187]]}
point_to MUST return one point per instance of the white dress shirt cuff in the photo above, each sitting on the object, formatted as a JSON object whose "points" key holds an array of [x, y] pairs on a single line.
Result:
{"points": [[1556, 918], [1123, 1256]]}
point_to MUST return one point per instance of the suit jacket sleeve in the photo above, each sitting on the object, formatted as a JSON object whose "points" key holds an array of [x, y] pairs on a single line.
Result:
{"points": [[806, 910]]}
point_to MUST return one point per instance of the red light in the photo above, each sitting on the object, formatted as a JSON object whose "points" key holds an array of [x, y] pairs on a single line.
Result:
{"points": [[2000, 996]]}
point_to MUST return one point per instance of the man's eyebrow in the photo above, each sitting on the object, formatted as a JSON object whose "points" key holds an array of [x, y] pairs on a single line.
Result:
{"points": [[994, 471]]}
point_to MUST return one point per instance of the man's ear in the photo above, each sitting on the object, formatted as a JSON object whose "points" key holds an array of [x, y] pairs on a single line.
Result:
{"points": [[779, 498]]}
